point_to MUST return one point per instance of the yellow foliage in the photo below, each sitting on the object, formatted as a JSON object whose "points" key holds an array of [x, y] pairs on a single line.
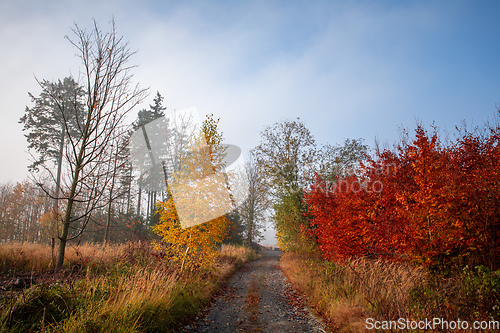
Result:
{"points": [[198, 187], [194, 246]]}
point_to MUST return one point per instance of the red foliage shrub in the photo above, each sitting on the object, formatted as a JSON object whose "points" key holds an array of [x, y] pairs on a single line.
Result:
{"points": [[425, 202]]}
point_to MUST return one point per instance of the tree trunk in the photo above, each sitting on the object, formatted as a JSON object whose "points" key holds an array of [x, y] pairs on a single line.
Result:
{"points": [[59, 167], [250, 228], [71, 199], [148, 207], [108, 223], [63, 238]]}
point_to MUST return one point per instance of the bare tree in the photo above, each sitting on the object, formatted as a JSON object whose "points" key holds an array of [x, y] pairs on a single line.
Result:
{"points": [[109, 96]]}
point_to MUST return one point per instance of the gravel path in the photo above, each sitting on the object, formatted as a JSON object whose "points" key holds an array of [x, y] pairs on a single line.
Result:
{"points": [[258, 299]]}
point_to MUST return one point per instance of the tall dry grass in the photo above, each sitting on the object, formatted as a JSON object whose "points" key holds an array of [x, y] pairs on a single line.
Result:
{"points": [[132, 294], [348, 294], [38, 258], [151, 298], [127, 302]]}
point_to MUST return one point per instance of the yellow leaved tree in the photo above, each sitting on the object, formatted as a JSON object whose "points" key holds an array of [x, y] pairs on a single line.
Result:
{"points": [[190, 224]]}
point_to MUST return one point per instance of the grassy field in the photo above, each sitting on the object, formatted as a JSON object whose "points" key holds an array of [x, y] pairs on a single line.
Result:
{"points": [[346, 295], [121, 288]]}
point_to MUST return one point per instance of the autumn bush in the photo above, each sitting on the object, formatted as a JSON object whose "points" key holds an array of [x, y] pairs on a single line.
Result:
{"points": [[192, 226], [189, 247], [431, 204]]}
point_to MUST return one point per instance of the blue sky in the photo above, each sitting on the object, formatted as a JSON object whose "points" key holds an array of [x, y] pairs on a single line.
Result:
{"points": [[348, 69]]}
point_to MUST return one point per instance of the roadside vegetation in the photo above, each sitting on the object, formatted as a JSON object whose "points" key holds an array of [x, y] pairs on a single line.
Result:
{"points": [[121, 288], [347, 294]]}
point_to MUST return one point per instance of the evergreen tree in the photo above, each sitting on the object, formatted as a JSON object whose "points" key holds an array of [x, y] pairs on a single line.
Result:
{"points": [[155, 111], [57, 114]]}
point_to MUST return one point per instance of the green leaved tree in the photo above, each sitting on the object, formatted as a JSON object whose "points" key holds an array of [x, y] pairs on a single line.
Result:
{"points": [[286, 157]]}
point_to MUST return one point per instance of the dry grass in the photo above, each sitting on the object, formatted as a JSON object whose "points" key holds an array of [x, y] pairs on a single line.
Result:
{"points": [[131, 294], [27, 257], [37, 258], [348, 294], [153, 298], [143, 297]]}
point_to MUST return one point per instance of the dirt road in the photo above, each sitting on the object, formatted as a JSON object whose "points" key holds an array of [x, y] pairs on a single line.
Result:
{"points": [[258, 299]]}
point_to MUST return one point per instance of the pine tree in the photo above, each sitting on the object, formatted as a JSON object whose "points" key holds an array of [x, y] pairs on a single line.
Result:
{"points": [[56, 115]]}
